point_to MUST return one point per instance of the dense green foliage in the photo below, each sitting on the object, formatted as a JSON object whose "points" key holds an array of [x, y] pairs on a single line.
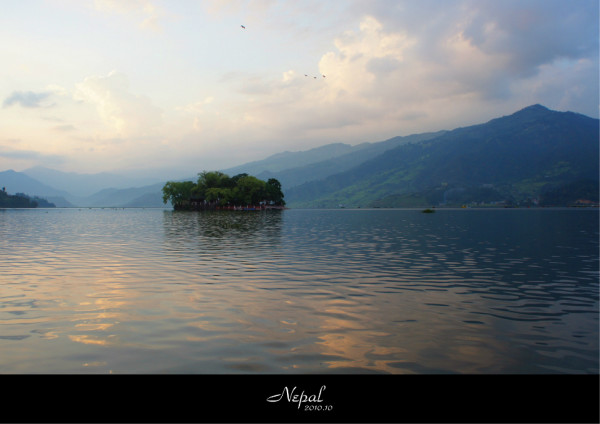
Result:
{"points": [[513, 159], [178, 193], [21, 200], [216, 189]]}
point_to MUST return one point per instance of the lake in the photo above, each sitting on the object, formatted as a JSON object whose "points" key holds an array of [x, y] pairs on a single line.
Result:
{"points": [[477, 291]]}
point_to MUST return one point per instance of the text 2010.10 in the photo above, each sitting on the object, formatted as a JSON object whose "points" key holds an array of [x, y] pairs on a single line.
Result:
{"points": [[318, 407]]}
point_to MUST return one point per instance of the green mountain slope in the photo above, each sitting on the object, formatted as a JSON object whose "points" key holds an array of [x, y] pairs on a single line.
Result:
{"points": [[287, 160], [323, 168], [517, 156]]}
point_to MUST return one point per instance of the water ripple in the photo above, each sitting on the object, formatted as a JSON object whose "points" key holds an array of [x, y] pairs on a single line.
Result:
{"points": [[299, 291]]}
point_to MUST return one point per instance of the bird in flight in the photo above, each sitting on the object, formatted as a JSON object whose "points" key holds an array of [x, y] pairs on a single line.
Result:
{"points": [[243, 26], [306, 75]]}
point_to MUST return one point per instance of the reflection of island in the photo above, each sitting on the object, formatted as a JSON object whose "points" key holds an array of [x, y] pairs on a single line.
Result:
{"points": [[21, 200], [222, 230], [218, 191]]}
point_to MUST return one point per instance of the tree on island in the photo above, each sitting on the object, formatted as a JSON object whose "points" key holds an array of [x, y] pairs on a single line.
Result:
{"points": [[216, 190], [178, 193]]}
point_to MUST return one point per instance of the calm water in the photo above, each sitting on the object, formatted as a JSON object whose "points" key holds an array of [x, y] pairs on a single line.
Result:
{"points": [[299, 291]]}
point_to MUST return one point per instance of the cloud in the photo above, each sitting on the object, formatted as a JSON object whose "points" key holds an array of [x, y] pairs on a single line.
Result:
{"points": [[197, 107], [147, 14], [27, 155], [392, 68], [27, 99], [534, 33], [127, 114], [365, 80], [483, 47], [464, 63], [64, 128], [218, 7], [57, 90]]}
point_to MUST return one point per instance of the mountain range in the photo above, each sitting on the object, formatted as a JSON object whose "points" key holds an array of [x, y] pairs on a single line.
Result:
{"points": [[90, 189], [529, 157], [516, 158]]}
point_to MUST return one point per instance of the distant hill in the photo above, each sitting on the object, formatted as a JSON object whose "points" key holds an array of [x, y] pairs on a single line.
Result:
{"points": [[138, 197], [17, 182], [323, 167], [145, 196], [82, 185], [515, 158], [287, 160]]}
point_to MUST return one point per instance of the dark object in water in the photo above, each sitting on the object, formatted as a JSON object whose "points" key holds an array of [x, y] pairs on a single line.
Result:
{"points": [[428, 210]]}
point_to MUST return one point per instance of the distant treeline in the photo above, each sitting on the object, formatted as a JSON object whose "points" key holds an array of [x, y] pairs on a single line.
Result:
{"points": [[20, 200], [216, 190]]}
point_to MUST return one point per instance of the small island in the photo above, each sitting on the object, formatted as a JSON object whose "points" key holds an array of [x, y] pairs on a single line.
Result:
{"points": [[215, 190]]}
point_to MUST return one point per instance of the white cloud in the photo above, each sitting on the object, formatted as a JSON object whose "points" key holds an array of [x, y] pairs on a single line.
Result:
{"points": [[57, 89], [220, 7], [197, 107], [363, 59], [384, 80], [127, 114], [147, 14], [374, 84]]}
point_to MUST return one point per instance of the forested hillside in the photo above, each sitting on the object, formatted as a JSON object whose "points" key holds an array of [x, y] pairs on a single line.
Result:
{"points": [[513, 159]]}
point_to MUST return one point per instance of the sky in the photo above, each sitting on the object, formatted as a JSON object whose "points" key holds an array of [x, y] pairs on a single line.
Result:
{"points": [[175, 87]]}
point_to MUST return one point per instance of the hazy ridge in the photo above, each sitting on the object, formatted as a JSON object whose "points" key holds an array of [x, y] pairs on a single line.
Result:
{"points": [[519, 157]]}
